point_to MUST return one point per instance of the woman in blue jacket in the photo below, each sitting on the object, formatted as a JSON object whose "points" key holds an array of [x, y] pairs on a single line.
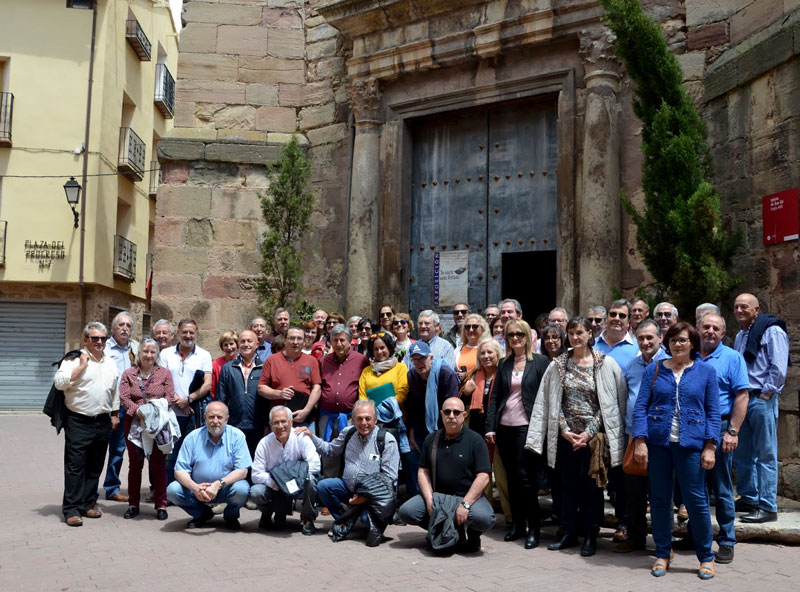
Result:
{"points": [[676, 429]]}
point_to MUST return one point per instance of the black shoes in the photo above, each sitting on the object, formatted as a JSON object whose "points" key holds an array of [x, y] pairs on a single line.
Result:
{"points": [[724, 554], [308, 528], [374, 537], [566, 542], [232, 524], [532, 540], [200, 522], [743, 506], [589, 547], [473, 543], [131, 512], [266, 521], [516, 532], [161, 514], [759, 516]]}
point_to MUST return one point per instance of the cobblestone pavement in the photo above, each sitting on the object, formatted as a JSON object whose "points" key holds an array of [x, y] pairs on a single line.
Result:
{"points": [[40, 553]]}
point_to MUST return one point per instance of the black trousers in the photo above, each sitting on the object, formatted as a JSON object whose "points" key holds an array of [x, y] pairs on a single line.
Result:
{"points": [[636, 508], [85, 444], [521, 467], [581, 498]]}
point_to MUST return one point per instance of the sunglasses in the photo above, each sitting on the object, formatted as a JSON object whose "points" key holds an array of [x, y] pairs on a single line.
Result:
{"points": [[460, 312], [614, 314], [97, 339], [472, 327], [387, 314], [515, 335], [399, 322], [596, 320], [376, 335], [666, 315], [450, 412]]}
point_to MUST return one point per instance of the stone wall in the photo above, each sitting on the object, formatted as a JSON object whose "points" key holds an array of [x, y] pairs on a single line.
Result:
{"points": [[250, 74]]}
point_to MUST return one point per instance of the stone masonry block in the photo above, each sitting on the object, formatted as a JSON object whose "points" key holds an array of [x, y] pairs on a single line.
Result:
{"points": [[283, 18], [198, 233], [329, 134], [270, 70], [242, 153], [301, 95], [170, 232], [235, 233], [184, 114], [221, 260], [199, 38], [289, 43], [693, 64], [321, 32], [311, 117], [222, 286], [262, 94], [177, 285], [230, 203], [248, 261], [203, 66], [180, 149], [182, 259], [322, 49], [242, 40], [227, 116], [699, 12], [222, 14], [241, 136], [181, 201], [282, 138], [193, 133], [707, 36], [756, 16], [276, 119], [207, 91]]}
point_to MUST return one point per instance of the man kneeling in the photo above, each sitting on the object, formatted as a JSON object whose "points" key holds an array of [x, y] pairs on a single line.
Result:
{"points": [[212, 469], [453, 472], [285, 467]]}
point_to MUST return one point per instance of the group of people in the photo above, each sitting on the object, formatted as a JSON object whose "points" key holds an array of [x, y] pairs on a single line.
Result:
{"points": [[351, 416]]}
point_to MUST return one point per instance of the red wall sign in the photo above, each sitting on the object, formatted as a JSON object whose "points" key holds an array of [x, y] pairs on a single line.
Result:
{"points": [[780, 214]]}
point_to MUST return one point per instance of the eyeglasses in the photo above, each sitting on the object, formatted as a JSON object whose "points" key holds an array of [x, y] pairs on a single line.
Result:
{"points": [[679, 341], [666, 315], [471, 327], [376, 335], [399, 322], [614, 314], [98, 339], [387, 314], [450, 412], [460, 312], [596, 320], [552, 338], [515, 335]]}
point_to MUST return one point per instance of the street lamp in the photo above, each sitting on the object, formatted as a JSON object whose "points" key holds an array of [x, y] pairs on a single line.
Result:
{"points": [[73, 190]]}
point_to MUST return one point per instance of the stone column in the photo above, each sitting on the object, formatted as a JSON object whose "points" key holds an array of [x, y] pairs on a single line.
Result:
{"points": [[361, 288], [599, 208]]}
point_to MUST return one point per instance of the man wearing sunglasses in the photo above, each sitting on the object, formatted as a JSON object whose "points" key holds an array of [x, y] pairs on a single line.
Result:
{"points": [[460, 312], [597, 317], [453, 473], [666, 315], [616, 340], [89, 383]]}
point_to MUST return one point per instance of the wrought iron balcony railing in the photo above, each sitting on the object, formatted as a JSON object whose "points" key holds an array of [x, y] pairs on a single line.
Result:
{"points": [[137, 39], [124, 258], [6, 115], [3, 228], [155, 177], [165, 91], [131, 154]]}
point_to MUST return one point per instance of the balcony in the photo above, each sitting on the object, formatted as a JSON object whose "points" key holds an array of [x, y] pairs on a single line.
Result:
{"points": [[6, 115], [124, 259], [155, 177], [165, 91], [3, 228], [131, 154], [137, 39]]}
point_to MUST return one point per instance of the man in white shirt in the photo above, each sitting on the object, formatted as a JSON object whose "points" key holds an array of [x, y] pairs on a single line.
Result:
{"points": [[89, 383], [278, 447], [184, 361]]}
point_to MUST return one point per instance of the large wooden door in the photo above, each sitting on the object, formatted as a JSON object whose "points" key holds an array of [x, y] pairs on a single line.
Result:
{"points": [[483, 181]]}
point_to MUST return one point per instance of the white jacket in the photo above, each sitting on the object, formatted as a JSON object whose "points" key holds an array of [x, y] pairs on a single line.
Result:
{"points": [[160, 427], [612, 394]]}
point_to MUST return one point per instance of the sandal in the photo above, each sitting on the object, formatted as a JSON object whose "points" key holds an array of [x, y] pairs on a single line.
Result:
{"points": [[706, 572], [660, 569]]}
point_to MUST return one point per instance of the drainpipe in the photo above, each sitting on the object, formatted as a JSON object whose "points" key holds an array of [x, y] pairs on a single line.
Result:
{"points": [[84, 177]]}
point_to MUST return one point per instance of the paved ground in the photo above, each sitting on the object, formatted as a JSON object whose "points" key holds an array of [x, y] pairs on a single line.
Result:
{"points": [[40, 553]]}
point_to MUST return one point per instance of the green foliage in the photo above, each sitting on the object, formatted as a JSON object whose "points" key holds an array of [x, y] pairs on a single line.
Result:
{"points": [[304, 310], [679, 234], [286, 208]]}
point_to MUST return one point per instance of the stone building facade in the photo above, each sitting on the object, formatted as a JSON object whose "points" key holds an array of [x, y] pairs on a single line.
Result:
{"points": [[404, 107]]}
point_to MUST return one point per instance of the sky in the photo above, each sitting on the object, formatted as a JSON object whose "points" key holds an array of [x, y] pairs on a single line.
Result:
{"points": [[176, 12]]}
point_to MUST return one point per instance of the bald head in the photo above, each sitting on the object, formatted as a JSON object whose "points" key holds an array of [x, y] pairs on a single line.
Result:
{"points": [[746, 309]]}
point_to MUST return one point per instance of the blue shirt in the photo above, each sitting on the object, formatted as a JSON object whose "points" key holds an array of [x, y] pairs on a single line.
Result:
{"points": [[623, 352], [119, 354], [767, 373], [731, 375], [207, 461], [633, 376], [264, 351]]}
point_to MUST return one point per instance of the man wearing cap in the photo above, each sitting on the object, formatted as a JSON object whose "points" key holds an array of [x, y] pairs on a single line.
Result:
{"points": [[430, 382]]}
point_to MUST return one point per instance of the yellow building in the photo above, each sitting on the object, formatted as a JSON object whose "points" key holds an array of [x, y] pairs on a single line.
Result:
{"points": [[60, 269]]}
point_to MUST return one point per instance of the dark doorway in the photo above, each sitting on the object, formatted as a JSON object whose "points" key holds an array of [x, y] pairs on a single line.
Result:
{"points": [[530, 277]]}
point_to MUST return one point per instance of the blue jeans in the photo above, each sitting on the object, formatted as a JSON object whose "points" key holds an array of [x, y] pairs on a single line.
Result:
{"points": [[116, 450], [186, 424], [756, 457], [684, 463], [235, 495], [332, 493]]}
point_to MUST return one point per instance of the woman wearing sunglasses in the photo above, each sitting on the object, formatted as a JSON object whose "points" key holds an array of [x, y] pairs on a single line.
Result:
{"points": [[402, 326], [385, 317], [518, 377], [578, 413], [466, 355]]}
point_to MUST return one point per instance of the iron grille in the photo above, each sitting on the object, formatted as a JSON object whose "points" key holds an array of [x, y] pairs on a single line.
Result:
{"points": [[124, 258], [131, 153], [165, 91], [6, 115], [137, 39]]}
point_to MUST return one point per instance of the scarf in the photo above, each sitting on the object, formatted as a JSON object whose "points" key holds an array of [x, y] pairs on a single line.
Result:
{"points": [[432, 396], [380, 367]]}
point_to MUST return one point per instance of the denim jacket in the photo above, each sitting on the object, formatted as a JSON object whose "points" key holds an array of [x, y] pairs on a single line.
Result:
{"points": [[699, 406]]}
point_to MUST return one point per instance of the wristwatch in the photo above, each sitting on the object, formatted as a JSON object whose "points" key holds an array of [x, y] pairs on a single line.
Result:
{"points": [[466, 504], [221, 484], [733, 431]]}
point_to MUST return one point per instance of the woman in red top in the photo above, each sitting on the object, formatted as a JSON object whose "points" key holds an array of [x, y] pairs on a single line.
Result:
{"points": [[229, 344], [141, 384]]}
